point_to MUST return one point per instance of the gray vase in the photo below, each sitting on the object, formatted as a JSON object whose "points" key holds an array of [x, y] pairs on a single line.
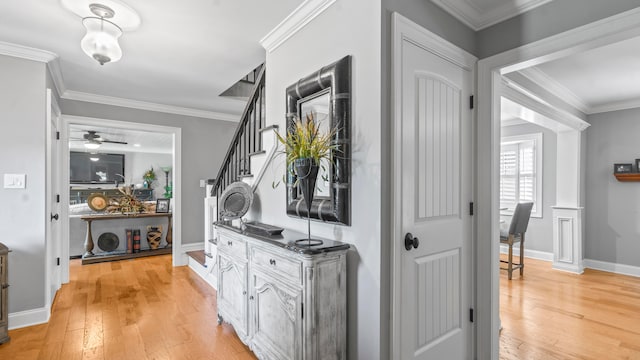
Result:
{"points": [[307, 173]]}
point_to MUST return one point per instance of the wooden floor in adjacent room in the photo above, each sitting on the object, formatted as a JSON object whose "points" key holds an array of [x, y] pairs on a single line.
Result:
{"points": [[130, 309], [550, 314]]}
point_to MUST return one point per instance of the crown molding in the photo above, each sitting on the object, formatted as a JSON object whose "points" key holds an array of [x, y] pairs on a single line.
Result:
{"points": [[25, 52], [149, 106], [53, 64], [478, 18], [56, 75], [300, 17], [544, 80], [616, 106]]}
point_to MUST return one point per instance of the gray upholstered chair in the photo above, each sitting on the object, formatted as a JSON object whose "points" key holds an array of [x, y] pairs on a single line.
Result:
{"points": [[518, 227]]}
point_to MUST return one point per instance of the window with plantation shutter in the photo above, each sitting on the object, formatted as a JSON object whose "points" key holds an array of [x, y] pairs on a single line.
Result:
{"points": [[521, 172]]}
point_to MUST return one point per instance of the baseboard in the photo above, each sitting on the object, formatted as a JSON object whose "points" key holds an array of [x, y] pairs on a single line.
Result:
{"points": [[203, 272], [612, 267], [533, 254], [26, 318]]}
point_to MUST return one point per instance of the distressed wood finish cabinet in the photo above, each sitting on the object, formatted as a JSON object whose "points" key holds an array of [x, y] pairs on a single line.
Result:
{"points": [[284, 301], [4, 294]]}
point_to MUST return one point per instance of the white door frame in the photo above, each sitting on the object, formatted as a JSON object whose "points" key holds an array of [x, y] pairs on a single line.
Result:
{"points": [[613, 29], [52, 149], [406, 30], [68, 120]]}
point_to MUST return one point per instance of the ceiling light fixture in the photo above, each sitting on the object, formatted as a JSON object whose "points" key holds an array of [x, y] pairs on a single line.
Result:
{"points": [[92, 144], [105, 22], [137, 145], [101, 40], [94, 158]]}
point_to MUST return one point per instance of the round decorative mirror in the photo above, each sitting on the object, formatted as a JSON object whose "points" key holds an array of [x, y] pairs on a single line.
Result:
{"points": [[235, 201]]}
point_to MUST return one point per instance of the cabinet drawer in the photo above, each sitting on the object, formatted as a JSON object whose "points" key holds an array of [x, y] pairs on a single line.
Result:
{"points": [[289, 269], [232, 245]]}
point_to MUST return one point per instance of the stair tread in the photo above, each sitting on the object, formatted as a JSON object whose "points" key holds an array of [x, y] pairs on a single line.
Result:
{"points": [[197, 255], [258, 152], [245, 176], [268, 128]]}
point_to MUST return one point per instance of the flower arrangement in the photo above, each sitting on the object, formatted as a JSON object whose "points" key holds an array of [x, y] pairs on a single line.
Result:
{"points": [[305, 141], [149, 177]]}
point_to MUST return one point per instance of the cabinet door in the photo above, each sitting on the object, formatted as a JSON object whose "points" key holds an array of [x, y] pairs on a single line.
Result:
{"points": [[276, 318], [232, 293]]}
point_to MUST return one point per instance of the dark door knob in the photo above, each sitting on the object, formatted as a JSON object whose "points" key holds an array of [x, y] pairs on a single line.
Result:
{"points": [[54, 217], [410, 241]]}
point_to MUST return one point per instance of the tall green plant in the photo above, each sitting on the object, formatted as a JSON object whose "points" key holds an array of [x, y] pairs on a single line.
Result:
{"points": [[305, 140]]}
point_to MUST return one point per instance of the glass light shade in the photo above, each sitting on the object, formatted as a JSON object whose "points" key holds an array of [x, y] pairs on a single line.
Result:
{"points": [[92, 145], [101, 40], [94, 158]]}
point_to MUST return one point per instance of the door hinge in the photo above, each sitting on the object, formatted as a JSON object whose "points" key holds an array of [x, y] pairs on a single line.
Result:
{"points": [[471, 102], [471, 208], [58, 261], [58, 198], [471, 314], [57, 135], [302, 310]]}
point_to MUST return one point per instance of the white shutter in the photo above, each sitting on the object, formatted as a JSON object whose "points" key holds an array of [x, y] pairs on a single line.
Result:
{"points": [[508, 176], [521, 171], [527, 172]]}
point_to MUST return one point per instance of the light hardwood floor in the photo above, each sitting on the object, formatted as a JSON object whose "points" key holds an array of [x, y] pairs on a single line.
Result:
{"points": [[550, 314], [146, 309], [131, 309]]}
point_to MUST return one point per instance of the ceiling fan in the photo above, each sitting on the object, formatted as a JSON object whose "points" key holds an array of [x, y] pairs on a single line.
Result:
{"points": [[93, 141]]}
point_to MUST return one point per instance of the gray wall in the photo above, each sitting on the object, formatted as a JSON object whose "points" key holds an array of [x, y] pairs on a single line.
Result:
{"points": [[549, 19], [22, 151], [204, 144], [612, 207], [348, 27], [540, 230]]}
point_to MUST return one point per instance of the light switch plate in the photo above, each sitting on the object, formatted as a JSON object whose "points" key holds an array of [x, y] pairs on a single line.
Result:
{"points": [[15, 181], [202, 183]]}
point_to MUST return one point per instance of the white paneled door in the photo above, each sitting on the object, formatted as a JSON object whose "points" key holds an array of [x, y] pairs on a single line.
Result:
{"points": [[435, 193], [54, 237]]}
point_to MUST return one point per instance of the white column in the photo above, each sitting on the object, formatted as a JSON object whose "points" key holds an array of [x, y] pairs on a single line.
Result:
{"points": [[568, 240]]}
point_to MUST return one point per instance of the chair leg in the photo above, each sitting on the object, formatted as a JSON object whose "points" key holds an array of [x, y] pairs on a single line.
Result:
{"points": [[510, 262], [521, 254]]}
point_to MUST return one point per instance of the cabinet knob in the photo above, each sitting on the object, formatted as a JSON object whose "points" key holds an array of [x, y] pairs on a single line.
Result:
{"points": [[229, 243], [250, 297], [244, 292], [272, 262]]}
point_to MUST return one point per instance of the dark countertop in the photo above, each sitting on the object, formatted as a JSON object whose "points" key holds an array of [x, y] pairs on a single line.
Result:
{"points": [[287, 240]]}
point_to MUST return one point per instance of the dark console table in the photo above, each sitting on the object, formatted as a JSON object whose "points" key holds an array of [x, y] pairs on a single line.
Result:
{"points": [[89, 257]]}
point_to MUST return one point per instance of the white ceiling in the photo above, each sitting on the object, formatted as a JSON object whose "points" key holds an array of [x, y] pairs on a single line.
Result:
{"points": [[479, 14], [150, 142], [603, 79], [181, 55]]}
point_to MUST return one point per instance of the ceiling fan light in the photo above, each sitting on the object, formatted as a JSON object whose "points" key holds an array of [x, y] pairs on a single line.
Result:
{"points": [[92, 145], [101, 40]]}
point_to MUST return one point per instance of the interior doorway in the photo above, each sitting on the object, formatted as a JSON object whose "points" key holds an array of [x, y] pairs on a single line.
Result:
{"points": [[136, 149], [491, 71]]}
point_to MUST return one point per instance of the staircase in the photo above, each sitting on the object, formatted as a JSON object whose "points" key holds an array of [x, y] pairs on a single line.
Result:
{"points": [[251, 150], [246, 157]]}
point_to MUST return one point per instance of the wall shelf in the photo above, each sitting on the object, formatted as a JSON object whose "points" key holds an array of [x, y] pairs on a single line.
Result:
{"points": [[625, 177]]}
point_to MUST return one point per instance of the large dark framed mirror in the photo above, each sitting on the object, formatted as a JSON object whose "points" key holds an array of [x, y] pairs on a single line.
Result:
{"points": [[327, 94]]}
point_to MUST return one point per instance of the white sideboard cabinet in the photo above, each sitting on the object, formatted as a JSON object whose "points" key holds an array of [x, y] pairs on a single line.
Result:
{"points": [[284, 301]]}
